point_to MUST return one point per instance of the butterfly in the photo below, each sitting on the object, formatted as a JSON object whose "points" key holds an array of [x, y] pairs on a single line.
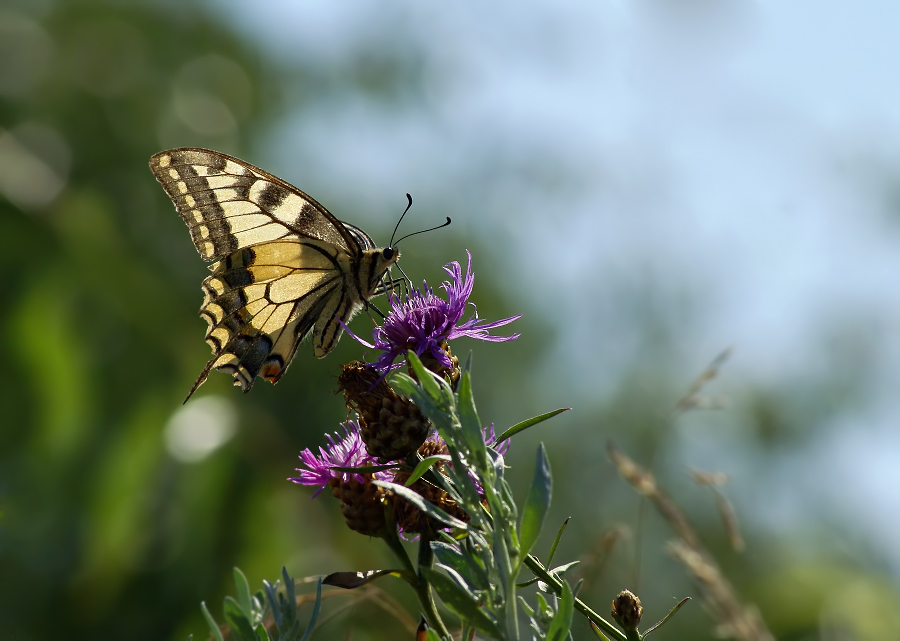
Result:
{"points": [[284, 266]]}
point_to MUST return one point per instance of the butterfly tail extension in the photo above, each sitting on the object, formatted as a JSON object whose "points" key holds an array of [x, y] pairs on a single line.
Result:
{"points": [[200, 379]]}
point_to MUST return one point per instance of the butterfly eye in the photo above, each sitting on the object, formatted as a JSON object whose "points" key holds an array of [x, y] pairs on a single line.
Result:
{"points": [[387, 253]]}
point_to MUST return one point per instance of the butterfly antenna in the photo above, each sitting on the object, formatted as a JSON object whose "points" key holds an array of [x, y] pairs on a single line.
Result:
{"points": [[421, 232], [397, 226]]}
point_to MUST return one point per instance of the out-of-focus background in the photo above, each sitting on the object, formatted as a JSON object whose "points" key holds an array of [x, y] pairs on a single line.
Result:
{"points": [[647, 182]]}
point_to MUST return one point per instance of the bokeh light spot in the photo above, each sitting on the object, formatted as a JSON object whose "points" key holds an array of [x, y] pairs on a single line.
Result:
{"points": [[199, 428]]}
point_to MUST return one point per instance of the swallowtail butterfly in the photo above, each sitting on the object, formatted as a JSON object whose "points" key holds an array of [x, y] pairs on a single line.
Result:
{"points": [[284, 266]]}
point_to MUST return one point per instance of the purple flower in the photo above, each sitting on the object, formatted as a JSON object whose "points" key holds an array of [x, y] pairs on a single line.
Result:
{"points": [[490, 439], [349, 451], [422, 321]]}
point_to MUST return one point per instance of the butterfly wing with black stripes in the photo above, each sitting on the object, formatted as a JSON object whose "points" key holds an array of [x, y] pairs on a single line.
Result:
{"points": [[285, 267]]}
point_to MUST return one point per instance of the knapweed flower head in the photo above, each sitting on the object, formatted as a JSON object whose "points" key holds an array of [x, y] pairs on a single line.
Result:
{"points": [[346, 451], [391, 426], [422, 321]]}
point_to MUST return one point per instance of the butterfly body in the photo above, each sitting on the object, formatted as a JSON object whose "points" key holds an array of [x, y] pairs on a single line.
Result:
{"points": [[284, 266]]}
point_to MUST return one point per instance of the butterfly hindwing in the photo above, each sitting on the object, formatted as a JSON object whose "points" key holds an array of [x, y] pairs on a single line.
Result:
{"points": [[260, 302], [286, 267]]}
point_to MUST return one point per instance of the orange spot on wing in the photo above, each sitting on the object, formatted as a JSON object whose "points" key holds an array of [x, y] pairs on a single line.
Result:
{"points": [[271, 372]]}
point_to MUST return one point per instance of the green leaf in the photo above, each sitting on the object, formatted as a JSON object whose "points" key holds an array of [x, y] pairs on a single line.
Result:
{"points": [[273, 601], [537, 504], [261, 633], [559, 570], [213, 626], [559, 534], [243, 593], [431, 635], [428, 508], [424, 466], [450, 556], [468, 565], [598, 631], [353, 580], [461, 601], [238, 622], [404, 384], [562, 620], [668, 616], [467, 364], [427, 380], [468, 417], [524, 425], [578, 587], [367, 469], [292, 633], [315, 613], [290, 610]]}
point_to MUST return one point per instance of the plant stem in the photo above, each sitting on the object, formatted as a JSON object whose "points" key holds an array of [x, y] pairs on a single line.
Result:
{"points": [[533, 564], [421, 586]]}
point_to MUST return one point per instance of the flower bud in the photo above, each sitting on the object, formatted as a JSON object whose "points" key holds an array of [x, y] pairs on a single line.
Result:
{"points": [[627, 610]]}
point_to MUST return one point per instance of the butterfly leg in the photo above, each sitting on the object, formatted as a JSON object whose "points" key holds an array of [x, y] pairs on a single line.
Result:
{"points": [[369, 307]]}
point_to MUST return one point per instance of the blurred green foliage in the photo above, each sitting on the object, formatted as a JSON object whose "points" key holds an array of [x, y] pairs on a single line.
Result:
{"points": [[104, 534]]}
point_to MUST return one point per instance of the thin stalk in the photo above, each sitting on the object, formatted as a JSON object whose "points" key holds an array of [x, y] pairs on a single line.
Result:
{"points": [[422, 587]]}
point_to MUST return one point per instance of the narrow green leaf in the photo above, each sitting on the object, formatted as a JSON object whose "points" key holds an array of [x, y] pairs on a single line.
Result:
{"points": [[431, 635], [428, 508], [559, 570], [404, 384], [461, 601], [239, 623], [578, 587], [668, 616], [243, 593], [292, 633], [556, 540], [426, 379], [468, 416], [273, 601], [450, 556], [290, 611], [366, 469], [467, 364], [261, 633], [537, 504], [562, 620], [213, 626], [315, 613], [598, 632], [467, 565], [353, 580], [424, 466], [526, 607], [524, 425]]}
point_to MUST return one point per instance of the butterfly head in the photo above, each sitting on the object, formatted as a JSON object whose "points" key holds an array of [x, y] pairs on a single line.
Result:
{"points": [[375, 270]]}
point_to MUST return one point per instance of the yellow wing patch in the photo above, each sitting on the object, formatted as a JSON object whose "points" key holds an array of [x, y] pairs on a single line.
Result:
{"points": [[284, 266], [260, 302]]}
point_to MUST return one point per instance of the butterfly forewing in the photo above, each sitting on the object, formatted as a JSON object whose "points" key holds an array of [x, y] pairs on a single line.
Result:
{"points": [[229, 204], [287, 267]]}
